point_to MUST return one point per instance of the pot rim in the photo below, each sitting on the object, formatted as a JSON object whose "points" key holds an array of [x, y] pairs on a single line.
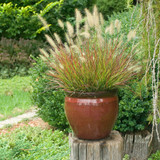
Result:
{"points": [[98, 94]]}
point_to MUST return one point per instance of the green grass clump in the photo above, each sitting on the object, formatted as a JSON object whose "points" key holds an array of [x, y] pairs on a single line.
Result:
{"points": [[14, 96], [155, 156], [15, 83], [34, 144]]}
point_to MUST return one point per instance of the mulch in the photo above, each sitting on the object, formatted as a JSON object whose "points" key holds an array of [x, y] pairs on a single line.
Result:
{"points": [[36, 122]]}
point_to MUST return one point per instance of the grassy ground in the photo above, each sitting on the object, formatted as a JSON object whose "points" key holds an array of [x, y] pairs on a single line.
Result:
{"points": [[34, 143], [14, 96]]}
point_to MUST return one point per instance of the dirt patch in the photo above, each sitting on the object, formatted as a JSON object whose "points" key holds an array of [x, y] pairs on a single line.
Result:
{"points": [[36, 122]]}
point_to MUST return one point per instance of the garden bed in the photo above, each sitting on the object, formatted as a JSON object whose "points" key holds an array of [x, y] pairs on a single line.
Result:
{"points": [[33, 139]]}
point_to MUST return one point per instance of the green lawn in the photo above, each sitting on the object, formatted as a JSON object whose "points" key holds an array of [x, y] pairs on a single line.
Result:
{"points": [[14, 96]]}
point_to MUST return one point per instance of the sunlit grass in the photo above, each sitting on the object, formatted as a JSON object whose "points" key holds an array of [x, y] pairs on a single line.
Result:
{"points": [[14, 96]]}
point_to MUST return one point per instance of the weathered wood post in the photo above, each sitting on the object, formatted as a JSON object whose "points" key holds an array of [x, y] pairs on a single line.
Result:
{"points": [[156, 143], [138, 145], [110, 148]]}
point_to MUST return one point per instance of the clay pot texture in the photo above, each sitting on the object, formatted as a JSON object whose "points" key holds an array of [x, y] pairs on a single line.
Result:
{"points": [[91, 118]]}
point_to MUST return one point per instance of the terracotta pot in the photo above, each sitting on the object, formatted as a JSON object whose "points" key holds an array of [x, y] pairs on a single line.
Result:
{"points": [[92, 118]]}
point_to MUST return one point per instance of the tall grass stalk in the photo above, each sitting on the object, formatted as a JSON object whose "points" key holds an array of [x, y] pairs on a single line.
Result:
{"points": [[153, 50], [89, 61]]}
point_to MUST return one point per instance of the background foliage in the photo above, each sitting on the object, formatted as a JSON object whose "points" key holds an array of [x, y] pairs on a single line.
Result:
{"points": [[50, 102], [15, 56], [134, 108], [18, 19], [108, 7], [155, 156]]}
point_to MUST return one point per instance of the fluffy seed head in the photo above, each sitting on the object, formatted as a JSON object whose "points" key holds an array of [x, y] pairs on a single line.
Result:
{"points": [[101, 19], [118, 25], [78, 16], [70, 29], [66, 48], [61, 24], [96, 16], [61, 66], [107, 29], [82, 59], [46, 26], [68, 38], [50, 41], [111, 31], [85, 34], [89, 17], [57, 38], [44, 53], [131, 35]]}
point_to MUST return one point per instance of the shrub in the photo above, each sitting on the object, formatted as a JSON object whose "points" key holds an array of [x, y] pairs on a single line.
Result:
{"points": [[107, 7], [34, 143], [50, 102], [15, 56], [134, 108], [155, 156], [18, 22], [19, 18]]}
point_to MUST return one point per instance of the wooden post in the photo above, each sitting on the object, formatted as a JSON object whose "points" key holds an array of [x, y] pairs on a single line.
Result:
{"points": [[138, 145], [110, 148], [156, 143]]}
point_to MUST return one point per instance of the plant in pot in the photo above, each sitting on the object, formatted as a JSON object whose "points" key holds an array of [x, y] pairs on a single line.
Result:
{"points": [[90, 66]]}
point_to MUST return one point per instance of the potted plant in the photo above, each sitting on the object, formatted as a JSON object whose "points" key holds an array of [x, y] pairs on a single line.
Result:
{"points": [[90, 67]]}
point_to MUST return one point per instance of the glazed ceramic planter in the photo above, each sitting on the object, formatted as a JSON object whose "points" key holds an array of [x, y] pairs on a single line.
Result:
{"points": [[92, 118]]}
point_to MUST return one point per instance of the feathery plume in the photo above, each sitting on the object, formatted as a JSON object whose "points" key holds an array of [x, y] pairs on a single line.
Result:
{"points": [[68, 38], [78, 20], [52, 52], [101, 39], [61, 24], [43, 22], [96, 16], [131, 35], [118, 25], [89, 17], [111, 31], [50, 41], [61, 66], [86, 27], [107, 29], [44, 53], [78, 15], [75, 48], [82, 59], [85, 34], [101, 19], [43, 58], [70, 29], [57, 38], [67, 48]]}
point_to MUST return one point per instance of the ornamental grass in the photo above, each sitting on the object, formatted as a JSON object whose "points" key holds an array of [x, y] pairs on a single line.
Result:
{"points": [[92, 59]]}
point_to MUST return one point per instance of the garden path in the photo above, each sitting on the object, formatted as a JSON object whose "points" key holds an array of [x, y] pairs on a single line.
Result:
{"points": [[15, 120]]}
